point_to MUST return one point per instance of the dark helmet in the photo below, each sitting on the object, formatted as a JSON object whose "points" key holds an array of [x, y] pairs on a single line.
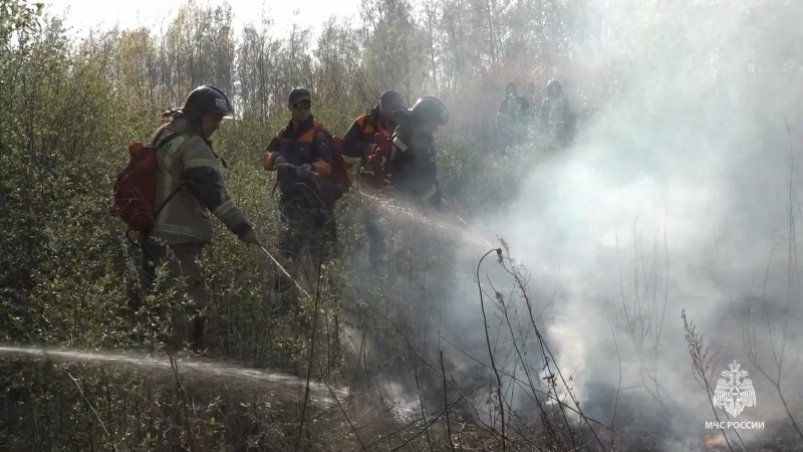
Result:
{"points": [[392, 99], [430, 109], [299, 95], [207, 99], [553, 86]]}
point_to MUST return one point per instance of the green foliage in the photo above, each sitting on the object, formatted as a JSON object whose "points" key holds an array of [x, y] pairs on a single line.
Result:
{"points": [[69, 276], [17, 17]]}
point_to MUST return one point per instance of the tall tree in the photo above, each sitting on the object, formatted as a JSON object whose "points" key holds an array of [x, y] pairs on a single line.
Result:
{"points": [[258, 56], [339, 80], [198, 48], [137, 71], [394, 44]]}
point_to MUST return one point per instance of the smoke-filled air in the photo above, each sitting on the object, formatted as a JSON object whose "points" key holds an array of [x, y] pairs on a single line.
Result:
{"points": [[418, 225]]}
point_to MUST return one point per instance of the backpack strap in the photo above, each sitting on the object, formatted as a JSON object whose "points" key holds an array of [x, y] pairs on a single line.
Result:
{"points": [[173, 142]]}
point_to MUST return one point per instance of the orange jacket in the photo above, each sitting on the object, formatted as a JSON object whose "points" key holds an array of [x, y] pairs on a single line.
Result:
{"points": [[369, 138], [309, 143]]}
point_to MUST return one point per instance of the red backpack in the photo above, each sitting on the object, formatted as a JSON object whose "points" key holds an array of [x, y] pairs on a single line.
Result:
{"points": [[135, 188]]}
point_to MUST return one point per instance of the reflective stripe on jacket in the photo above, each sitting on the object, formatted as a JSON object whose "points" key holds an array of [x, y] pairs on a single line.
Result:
{"points": [[192, 173]]}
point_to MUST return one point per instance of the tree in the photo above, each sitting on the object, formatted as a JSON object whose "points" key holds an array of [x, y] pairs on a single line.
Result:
{"points": [[257, 58], [338, 78], [198, 49], [394, 45], [19, 17]]}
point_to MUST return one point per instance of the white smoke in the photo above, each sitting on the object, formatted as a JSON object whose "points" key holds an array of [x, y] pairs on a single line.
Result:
{"points": [[677, 190]]}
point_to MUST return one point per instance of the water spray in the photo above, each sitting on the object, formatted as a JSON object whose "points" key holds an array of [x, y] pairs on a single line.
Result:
{"points": [[454, 214], [282, 269], [308, 173], [416, 216], [196, 367]]}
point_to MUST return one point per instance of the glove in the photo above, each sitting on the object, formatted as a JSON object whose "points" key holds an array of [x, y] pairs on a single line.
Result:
{"points": [[382, 144], [249, 237], [279, 161], [381, 138]]}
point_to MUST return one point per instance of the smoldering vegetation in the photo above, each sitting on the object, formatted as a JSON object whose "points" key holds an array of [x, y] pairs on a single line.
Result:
{"points": [[572, 297]]}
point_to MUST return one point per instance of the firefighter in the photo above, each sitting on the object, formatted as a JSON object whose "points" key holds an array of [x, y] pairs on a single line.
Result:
{"points": [[555, 114], [302, 154], [190, 186], [412, 166], [514, 112], [369, 139]]}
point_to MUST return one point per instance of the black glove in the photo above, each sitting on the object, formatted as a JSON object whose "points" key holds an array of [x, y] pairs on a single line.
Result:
{"points": [[249, 237]]}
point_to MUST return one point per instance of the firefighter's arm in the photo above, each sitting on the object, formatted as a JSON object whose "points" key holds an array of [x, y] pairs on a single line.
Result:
{"points": [[324, 153], [355, 142], [204, 179], [321, 167], [271, 154], [526, 107], [399, 148], [269, 160]]}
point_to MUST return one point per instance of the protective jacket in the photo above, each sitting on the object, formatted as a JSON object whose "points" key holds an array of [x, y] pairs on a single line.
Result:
{"points": [[361, 137], [514, 108], [369, 138], [413, 166], [555, 116], [191, 177], [308, 143]]}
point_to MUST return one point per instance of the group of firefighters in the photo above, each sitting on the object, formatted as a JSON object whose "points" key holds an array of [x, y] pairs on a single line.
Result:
{"points": [[555, 119], [395, 145]]}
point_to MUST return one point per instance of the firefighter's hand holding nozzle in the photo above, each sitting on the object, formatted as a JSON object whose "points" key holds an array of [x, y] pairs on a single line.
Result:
{"points": [[279, 162], [249, 237], [301, 170]]}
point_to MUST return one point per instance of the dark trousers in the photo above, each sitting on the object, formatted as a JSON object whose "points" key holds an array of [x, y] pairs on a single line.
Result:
{"points": [[184, 272], [306, 228], [376, 238]]}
